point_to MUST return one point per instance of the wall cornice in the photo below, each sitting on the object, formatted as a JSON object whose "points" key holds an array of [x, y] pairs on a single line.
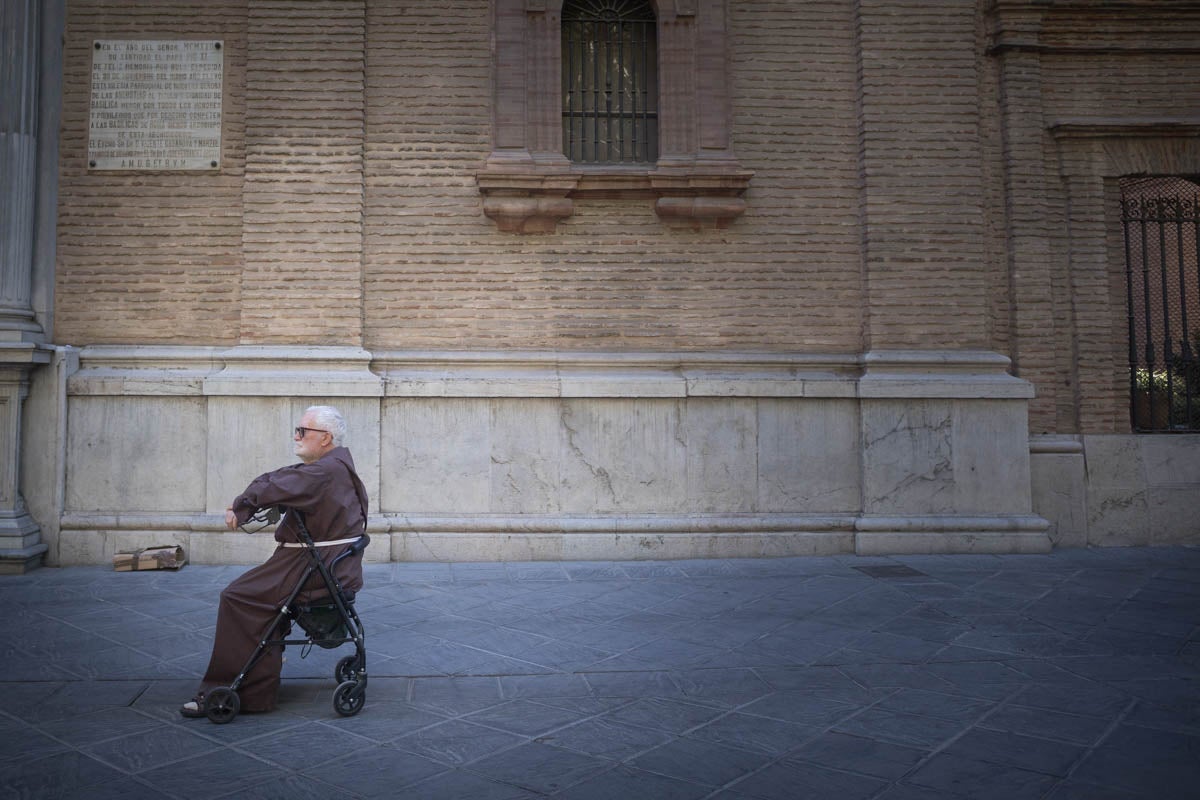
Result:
{"points": [[353, 372], [1124, 127], [1081, 27]]}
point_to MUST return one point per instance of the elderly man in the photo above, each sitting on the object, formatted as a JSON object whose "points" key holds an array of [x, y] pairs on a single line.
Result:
{"points": [[327, 490]]}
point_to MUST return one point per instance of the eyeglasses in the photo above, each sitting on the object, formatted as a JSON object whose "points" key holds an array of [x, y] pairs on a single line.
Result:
{"points": [[301, 431]]}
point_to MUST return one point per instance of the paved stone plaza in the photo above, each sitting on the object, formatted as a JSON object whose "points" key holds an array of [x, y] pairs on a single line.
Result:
{"points": [[1070, 675]]}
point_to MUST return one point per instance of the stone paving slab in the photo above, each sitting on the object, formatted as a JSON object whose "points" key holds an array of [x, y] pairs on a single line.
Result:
{"points": [[1063, 676]]}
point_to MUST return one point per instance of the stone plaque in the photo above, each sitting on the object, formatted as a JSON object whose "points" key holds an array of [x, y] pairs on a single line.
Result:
{"points": [[156, 105]]}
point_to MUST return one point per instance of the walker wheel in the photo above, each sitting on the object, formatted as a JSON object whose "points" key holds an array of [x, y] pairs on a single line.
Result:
{"points": [[348, 698], [222, 705], [346, 669]]}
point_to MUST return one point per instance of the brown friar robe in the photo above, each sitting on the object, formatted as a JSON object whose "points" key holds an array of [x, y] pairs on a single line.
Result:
{"points": [[334, 503]]}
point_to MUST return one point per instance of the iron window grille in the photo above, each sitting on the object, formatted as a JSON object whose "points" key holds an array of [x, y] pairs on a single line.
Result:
{"points": [[1161, 221], [610, 83]]}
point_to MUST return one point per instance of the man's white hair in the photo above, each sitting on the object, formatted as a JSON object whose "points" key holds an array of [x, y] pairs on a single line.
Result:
{"points": [[330, 419]]}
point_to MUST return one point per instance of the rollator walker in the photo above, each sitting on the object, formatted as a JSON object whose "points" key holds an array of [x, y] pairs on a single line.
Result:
{"points": [[329, 622]]}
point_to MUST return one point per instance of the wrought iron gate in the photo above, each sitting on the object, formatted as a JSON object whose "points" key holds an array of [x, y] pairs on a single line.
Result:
{"points": [[1161, 218]]}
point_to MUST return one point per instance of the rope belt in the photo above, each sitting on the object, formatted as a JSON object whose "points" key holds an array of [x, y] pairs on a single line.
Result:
{"points": [[322, 544]]}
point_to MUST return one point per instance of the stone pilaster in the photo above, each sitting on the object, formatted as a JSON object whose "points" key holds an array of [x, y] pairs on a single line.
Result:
{"points": [[1034, 320], [303, 193], [29, 97], [677, 90], [920, 163], [19, 118], [21, 546]]}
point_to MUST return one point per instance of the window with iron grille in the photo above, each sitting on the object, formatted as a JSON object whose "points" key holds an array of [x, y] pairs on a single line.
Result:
{"points": [[610, 77], [1161, 217]]}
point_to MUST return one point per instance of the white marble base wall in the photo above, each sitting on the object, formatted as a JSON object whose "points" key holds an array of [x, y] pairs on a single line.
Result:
{"points": [[1142, 489], [483, 456], [130, 454], [1058, 477], [247, 436], [945, 457], [588, 456]]}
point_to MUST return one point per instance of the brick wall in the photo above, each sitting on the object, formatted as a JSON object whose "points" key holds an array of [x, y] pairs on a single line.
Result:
{"points": [[921, 167], [893, 203], [152, 257], [302, 198], [438, 275], [274, 248]]}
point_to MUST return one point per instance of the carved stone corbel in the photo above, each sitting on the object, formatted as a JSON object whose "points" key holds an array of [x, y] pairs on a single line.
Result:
{"points": [[700, 199], [526, 203]]}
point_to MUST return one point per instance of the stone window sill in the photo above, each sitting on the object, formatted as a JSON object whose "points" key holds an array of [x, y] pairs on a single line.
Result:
{"points": [[533, 200]]}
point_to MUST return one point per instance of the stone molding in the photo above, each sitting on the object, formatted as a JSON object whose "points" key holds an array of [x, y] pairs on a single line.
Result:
{"points": [[402, 537], [493, 523], [267, 371], [23, 354], [940, 374], [925, 534], [143, 370], [255, 371], [93, 538], [1053, 27], [247, 371], [1061, 444], [1125, 128]]}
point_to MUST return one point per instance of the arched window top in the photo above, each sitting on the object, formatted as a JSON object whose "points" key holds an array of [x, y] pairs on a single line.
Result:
{"points": [[607, 11]]}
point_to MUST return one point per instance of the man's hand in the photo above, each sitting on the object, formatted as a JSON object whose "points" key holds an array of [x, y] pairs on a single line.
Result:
{"points": [[230, 519]]}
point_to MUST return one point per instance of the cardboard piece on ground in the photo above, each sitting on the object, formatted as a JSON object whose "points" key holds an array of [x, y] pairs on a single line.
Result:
{"points": [[161, 557]]}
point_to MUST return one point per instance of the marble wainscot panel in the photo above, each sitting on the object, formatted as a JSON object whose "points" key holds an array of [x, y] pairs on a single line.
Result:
{"points": [[622, 456], [435, 456], [808, 455], [136, 453], [161, 439], [1117, 491], [248, 436], [484, 456], [1058, 481], [1142, 489], [945, 456], [596, 455], [527, 439], [722, 454], [1173, 478], [132, 465]]}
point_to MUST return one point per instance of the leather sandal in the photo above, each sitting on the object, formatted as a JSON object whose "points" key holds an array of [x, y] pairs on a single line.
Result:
{"points": [[194, 708]]}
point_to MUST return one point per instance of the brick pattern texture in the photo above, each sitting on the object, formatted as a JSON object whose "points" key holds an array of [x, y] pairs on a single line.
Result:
{"points": [[907, 192], [149, 257], [922, 174], [302, 238]]}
